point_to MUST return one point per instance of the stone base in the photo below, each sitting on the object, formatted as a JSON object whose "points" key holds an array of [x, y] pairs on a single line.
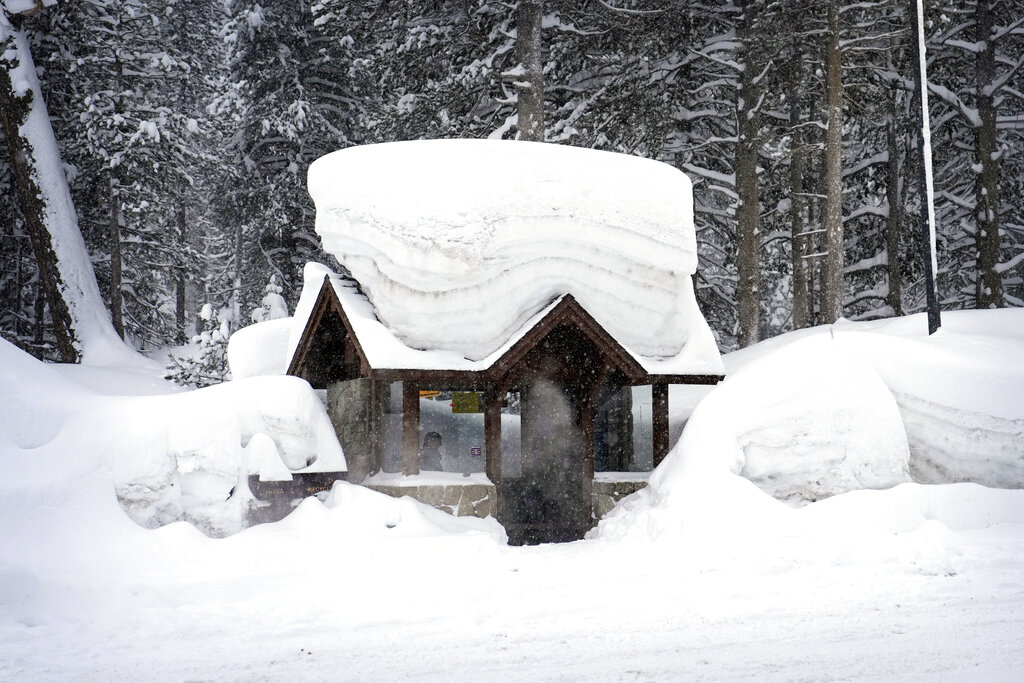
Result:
{"points": [[300, 485], [607, 493], [468, 500], [472, 499]]}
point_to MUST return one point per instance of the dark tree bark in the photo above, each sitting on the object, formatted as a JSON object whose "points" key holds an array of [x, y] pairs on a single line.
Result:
{"points": [[529, 52], [894, 225], [833, 289], [39, 307], [989, 290], [802, 314], [14, 112], [179, 279], [116, 302], [748, 260], [65, 270]]}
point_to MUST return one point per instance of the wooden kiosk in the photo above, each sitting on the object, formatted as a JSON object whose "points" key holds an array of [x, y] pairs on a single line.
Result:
{"points": [[559, 365], [545, 280]]}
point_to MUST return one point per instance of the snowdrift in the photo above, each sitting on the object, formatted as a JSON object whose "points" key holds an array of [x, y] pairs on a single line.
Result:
{"points": [[169, 457], [841, 408], [457, 243]]}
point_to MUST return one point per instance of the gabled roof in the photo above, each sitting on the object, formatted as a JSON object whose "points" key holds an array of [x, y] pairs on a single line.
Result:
{"points": [[342, 320], [327, 303], [569, 311]]}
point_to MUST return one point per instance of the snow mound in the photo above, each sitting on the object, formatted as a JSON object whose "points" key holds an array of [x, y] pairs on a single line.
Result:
{"points": [[960, 391], [846, 407], [360, 511], [260, 349], [172, 457], [951, 444], [828, 424], [457, 243]]}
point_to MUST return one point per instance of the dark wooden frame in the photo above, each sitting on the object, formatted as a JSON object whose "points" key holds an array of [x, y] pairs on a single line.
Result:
{"points": [[494, 380]]}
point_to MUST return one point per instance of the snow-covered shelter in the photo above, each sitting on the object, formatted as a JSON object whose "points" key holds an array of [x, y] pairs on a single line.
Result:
{"points": [[529, 285]]}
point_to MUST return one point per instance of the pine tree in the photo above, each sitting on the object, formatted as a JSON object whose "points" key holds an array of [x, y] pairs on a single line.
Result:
{"points": [[208, 364]]}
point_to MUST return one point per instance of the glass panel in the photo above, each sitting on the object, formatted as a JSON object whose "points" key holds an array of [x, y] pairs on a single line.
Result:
{"points": [[511, 437], [456, 439], [393, 430], [643, 441]]}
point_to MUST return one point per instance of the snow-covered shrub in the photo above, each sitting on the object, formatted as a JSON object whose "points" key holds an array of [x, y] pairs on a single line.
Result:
{"points": [[273, 305], [208, 363]]}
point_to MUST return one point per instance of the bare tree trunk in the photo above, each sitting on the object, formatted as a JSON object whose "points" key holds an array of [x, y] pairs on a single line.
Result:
{"points": [[236, 296], [802, 314], [748, 261], [815, 221], [989, 289], [529, 52], [894, 196], [179, 279], [116, 301], [835, 262], [40, 315]]}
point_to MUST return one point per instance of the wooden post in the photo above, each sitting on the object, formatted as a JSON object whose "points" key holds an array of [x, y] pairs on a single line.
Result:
{"points": [[587, 407], [587, 464], [410, 429], [492, 435], [659, 421]]}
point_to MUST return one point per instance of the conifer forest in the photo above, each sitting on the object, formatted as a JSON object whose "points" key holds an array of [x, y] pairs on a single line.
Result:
{"points": [[185, 129]]}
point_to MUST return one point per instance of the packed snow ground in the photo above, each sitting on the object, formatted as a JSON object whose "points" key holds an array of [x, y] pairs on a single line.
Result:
{"points": [[701, 576]]}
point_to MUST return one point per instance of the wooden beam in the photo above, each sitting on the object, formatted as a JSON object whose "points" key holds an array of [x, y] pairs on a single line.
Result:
{"points": [[410, 428], [492, 434], [659, 420], [587, 464], [682, 379]]}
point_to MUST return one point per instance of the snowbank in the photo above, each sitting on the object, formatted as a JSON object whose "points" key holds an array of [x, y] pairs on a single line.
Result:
{"points": [[840, 408], [261, 348], [458, 243], [912, 581], [168, 457], [805, 422]]}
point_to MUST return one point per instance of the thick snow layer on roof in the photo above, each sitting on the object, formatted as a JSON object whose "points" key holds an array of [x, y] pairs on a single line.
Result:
{"points": [[385, 350], [458, 243]]}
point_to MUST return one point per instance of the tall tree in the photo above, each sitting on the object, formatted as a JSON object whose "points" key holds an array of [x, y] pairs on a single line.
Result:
{"points": [[80, 321], [835, 261], [803, 312], [748, 145], [989, 288], [530, 77]]}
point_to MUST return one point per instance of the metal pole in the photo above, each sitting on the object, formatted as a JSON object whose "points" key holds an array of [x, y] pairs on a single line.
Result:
{"points": [[927, 192]]}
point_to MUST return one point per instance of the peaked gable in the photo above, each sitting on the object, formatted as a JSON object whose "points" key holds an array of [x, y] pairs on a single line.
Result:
{"points": [[569, 311], [328, 348], [331, 349]]}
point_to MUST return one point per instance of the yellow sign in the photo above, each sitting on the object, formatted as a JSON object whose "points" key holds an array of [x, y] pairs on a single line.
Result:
{"points": [[466, 402], [429, 394]]}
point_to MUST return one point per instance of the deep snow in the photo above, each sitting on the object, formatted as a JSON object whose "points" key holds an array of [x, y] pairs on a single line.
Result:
{"points": [[458, 243], [701, 576]]}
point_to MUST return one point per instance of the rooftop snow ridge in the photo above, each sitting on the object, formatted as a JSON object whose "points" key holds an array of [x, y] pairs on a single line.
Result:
{"points": [[458, 243]]}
